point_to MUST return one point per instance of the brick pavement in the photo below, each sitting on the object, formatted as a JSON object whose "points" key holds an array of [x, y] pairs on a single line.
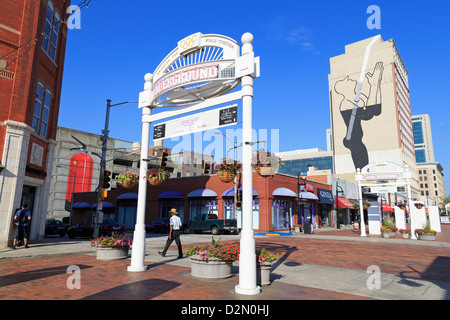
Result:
{"points": [[45, 278]]}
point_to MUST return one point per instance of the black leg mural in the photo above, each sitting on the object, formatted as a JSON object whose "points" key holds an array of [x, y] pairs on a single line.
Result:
{"points": [[356, 107]]}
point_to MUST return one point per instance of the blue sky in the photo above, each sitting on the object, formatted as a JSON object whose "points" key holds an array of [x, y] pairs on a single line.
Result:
{"points": [[120, 41]]}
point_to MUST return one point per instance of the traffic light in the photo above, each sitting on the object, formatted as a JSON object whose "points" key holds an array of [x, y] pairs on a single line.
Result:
{"points": [[239, 199], [106, 179], [164, 155], [206, 168]]}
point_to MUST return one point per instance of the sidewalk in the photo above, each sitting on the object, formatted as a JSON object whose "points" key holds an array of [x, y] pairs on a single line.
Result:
{"points": [[328, 265]]}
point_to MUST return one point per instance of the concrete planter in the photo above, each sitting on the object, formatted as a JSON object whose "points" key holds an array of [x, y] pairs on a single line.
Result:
{"points": [[386, 234], [213, 269], [426, 236], [110, 253], [405, 235], [263, 272]]}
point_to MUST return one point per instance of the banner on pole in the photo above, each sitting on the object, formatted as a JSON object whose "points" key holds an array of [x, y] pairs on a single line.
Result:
{"points": [[203, 121]]}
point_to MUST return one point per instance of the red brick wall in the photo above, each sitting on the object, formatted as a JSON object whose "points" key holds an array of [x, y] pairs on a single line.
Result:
{"points": [[17, 95], [264, 186]]}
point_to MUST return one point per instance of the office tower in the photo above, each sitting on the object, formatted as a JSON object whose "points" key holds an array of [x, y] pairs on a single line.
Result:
{"points": [[370, 108]]}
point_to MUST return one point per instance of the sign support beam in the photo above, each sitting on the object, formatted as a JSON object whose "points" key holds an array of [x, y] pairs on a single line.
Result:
{"points": [[247, 258]]}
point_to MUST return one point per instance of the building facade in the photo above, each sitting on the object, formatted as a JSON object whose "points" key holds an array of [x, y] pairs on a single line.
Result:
{"points": [[423, 139], [370, 109], [32, 51], [274, 202], [76, 171]]}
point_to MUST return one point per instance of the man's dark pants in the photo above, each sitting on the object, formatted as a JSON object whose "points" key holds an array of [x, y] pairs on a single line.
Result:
{"points": [[176, 237]]}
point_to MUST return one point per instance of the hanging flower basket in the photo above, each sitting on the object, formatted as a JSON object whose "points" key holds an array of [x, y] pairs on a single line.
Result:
{"points": [[157, 176], [225, 176], [265, 163], [227, 170], [128, 179]]}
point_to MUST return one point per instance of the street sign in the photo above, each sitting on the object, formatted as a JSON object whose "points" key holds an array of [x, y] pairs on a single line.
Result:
{"points": [[207, 120]]}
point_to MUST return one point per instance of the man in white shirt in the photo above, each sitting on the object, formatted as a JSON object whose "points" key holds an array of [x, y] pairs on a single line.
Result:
{"points": [[174, 234]]}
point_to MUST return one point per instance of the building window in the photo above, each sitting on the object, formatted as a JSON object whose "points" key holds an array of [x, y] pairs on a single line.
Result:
{"points": [[41, 110], [281, 213], [51, 31]]}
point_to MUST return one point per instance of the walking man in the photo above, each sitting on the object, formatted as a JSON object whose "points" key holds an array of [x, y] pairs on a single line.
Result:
{"points": [[174, 234], [22, 219]]}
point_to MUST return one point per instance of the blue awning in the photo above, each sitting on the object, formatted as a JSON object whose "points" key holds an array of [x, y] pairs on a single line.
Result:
{"points": [[307, 195], [106, 204], [284, 192], [171, 194], [199, 193], [81, 205], [230, 192], [325, 196], [127, 196]]}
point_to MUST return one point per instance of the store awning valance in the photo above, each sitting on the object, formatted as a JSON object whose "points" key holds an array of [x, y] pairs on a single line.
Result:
{"points": [[230, 192], [128, 196], [344, 203], [386, 207], [81, 205], [200, 193], [171, 194], [307, 195], [106, 204], [325, 196], [284, 192]]}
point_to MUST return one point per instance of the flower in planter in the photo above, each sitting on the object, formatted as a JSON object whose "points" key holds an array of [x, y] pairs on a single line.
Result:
{"points": [[116, 240], [128, 176], [404, 231], [266, 159], [226, 252], [422, 231], [158, 173], [266, 256]]}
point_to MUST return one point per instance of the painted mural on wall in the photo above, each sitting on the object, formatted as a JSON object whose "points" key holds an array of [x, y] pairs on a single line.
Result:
{"points": [[359, 101]]}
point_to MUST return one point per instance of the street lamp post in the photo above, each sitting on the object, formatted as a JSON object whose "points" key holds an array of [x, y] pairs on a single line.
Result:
{"points": [[303, 183], [338, 225], [105, 132]]}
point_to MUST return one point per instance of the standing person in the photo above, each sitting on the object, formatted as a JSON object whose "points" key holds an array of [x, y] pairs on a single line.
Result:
{"points": [[174, 234], [22, 219]]}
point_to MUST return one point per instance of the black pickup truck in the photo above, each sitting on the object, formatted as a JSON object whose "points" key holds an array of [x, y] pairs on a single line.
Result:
{"points": [[210, 222]]}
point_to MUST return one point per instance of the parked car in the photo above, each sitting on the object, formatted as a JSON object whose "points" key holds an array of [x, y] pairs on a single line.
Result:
{"points": [[53, 227], [158, 226], [106, 228]]}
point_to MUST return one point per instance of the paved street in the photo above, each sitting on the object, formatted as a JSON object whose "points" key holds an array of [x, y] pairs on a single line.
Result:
{"points": [[323, 266]]}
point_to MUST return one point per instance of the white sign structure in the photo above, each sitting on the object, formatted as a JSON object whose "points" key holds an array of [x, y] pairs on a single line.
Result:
{"points": [[207, 120], [201, 72], [379, 175]]}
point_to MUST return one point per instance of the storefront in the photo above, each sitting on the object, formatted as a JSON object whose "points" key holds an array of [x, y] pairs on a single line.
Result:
{"points": [[274, 202], [325, 207]]}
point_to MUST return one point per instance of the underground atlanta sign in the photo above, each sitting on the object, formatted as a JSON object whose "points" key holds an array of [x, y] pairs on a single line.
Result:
{"points": [[200, 73], [199, 68]]}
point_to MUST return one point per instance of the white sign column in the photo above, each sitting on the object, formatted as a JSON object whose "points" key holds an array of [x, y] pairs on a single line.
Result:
{"points": [[138, 252], [247, 258]]}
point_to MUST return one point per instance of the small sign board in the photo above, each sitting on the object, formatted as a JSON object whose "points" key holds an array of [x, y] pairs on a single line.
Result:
{"points": [[203, 121]]}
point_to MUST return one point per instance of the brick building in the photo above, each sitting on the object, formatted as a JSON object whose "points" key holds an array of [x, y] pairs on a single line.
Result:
{"points": [[32, 50], [274, 200]]}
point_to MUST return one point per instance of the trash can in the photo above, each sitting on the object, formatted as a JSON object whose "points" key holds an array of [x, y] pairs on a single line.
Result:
{"points": [[307, 227]]}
